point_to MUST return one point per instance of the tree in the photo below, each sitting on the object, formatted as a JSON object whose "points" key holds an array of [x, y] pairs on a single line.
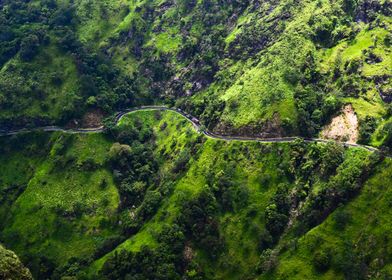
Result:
{"points": [[118, 152], [275, 221], [342, 217], [331, 157], [322, 260], [387, 130], [349, 6], [29, 47]]}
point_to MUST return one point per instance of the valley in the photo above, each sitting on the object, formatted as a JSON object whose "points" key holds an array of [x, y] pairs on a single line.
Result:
{"points": [[195, 140]]}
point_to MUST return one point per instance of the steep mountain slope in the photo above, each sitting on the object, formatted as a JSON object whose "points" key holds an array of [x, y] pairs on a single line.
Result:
{"points": [[189, 205], [151, 198], [256, 67]]}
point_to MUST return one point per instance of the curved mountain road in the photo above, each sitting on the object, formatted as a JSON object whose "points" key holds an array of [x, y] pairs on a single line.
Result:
{"points": [[191, 119]]}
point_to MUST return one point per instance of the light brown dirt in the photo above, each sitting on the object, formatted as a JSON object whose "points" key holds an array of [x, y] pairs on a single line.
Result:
{"points": [[343, 127], [92, 119], [188, 253]]}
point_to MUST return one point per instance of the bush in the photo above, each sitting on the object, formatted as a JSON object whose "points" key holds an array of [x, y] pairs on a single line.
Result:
{"points": [[29, 47], [387, 131], [275, 221], [367, 127], [268, 261], [322, 260], [331, 157], [150, 204], [265, 240], [341, 218]]}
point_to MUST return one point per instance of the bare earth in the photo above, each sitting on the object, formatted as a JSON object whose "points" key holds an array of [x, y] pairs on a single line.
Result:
{"points": [[343, 127], [92, 119]]}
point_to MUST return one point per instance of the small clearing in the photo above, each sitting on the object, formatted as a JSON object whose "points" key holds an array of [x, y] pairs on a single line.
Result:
{"points": [[343, 127]]}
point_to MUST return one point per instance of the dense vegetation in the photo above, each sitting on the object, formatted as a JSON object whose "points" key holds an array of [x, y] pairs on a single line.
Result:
{"points": [[153, 199], [150, 198], [11, 267], [250, 67]]}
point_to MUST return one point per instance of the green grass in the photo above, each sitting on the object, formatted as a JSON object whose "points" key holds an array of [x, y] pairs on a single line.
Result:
{"points": [[166, 42], [61, 212], [41, 220], [45, 188], [100, 19], [43, 99], [255, 168], [367, 230]]}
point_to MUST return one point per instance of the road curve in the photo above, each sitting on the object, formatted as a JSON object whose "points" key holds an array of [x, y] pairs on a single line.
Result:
{"points": [[190, 118]]}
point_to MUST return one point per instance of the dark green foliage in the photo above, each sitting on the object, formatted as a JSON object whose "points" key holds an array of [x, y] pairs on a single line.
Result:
{"points": [[351, 263], [322, 260], [164, 262], [150, 204], [367, 128], [231, 196], [198, 217], [277, 215], [61, 59], [387, 131], [40, 266], [29, 47], [341, 218], [268, 261], [29, 31], [182, 161], [340, 188], [108, 245], [265, 240], [314, 109], [323, 28], [331, 157]]}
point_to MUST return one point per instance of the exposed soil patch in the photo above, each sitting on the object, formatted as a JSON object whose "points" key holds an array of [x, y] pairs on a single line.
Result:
{"points": [[188, 253], [92, 119], [343, 127]]}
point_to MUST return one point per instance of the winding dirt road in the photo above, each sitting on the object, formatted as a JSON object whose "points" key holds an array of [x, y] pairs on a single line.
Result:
{"points": [[190, 118]]}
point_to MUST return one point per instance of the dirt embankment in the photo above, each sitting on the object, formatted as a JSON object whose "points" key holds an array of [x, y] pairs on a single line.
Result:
{"points": [[91, 119], [343, 127]]}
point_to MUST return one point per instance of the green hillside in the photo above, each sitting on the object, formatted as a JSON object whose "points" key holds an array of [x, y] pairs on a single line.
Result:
{"points": [[153, 191], [154, 196], [271, 68]]}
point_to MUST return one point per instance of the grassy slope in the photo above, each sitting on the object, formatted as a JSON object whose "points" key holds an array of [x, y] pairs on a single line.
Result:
{"points": [[255, 168], [17, 166], [367, 231], [261, 90], [254, 88], [32, 85], [42, 220], [369, 103], [62, 212]]}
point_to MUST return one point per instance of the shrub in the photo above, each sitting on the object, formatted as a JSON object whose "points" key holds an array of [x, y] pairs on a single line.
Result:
{"points": [[29, 47], [341, 218], [322, 260], [268, 261]]}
